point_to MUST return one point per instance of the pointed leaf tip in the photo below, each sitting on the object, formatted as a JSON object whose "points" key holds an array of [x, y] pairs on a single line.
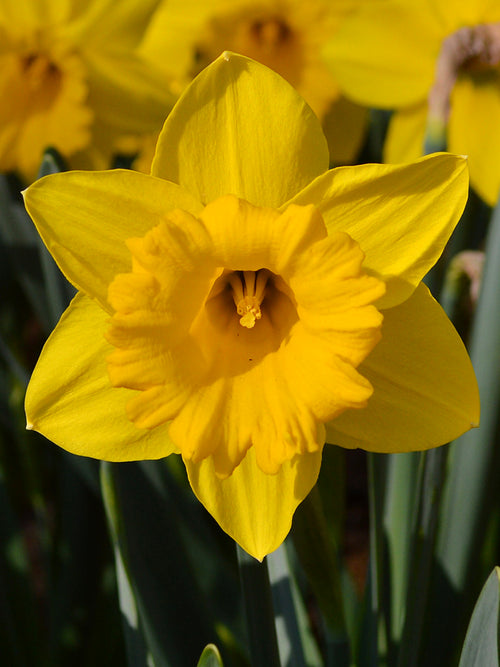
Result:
{"points": [[210, 657]]}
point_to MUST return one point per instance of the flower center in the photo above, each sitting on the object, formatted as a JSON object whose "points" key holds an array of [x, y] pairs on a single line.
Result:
{"points": [[40, 73], [44, 80], [271, 33], [249, 290], [267, 38], [287, 37]]}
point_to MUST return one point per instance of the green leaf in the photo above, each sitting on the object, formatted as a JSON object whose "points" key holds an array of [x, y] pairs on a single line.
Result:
{"points": [[210, 657], [164, 602], [259, 610], [52, 163], [20, 638], [295, 640], [374, 644], [471, 479], [481, 647], [19, 239], [422, 551], [399, 522], [319, 558]]}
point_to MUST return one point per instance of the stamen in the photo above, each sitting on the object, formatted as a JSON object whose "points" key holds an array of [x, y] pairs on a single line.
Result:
{"points": [[38, 70], [249, 288], [270, 33]]}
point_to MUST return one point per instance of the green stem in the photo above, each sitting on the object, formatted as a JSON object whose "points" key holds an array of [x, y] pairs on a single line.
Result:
{"points": [[422, 553], [287, 627], [399, 510], [376, 649], [259, 611]]}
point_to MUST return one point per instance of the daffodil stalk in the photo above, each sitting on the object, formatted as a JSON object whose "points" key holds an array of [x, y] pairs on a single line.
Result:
{"points": [[259, 610]]}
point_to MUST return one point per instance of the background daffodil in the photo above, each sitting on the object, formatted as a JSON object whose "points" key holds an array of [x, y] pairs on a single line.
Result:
{"points": [[286, 35], [242, 298], [425, 59], [70, 80]]}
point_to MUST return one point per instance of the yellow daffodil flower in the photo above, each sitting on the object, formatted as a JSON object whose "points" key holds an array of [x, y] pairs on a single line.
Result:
{"points": [[243, 300], [427, 60], [286, 35], [69, 80]]}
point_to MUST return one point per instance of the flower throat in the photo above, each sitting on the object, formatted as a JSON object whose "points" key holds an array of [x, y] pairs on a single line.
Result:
{"points": [[248, 291]]}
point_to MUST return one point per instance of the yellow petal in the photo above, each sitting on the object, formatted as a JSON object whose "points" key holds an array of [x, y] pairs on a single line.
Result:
{"points": [[474, 130], [256, 410], [126, 93], [425, 392], [47, 106], [246, 237], [70, 399], [154, 309], [255, 509], [405, 137], [401, 216], [216, 141], [85, 218], [345, 126], [463, 13], [99, 23], [383, 54], [183, 21], [319, 376], [269, 385], [21, 16]]}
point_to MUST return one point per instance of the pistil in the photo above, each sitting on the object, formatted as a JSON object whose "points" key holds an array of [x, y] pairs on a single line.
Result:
{"points": [[39, 71], [249, 289]]}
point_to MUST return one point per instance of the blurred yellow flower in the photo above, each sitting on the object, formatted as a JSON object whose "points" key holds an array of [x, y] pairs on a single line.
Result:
{"points": [[427, 59], [69, 80], [285, 35], [230, 308]]}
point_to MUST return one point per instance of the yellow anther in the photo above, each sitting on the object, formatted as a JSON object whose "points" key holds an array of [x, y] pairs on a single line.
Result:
{"points": [[249, 288], [249, 308]]}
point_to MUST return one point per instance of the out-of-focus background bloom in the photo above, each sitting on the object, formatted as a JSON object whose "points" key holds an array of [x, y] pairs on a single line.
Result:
{"points": [[70, 79], [286, 35], [437, 65]]}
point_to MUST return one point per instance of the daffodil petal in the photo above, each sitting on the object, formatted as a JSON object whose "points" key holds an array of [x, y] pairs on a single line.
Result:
{"points": [[85, 218], [255, 509], [425, 391], [118, 76], [246, 237], [123, 22], [345, 126], [464, 13], [70, 399], [474, 131], [405, 137], [401, 215], [380, 55], [24, 15], [258, 410], [184, 20], [214, 141]]}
